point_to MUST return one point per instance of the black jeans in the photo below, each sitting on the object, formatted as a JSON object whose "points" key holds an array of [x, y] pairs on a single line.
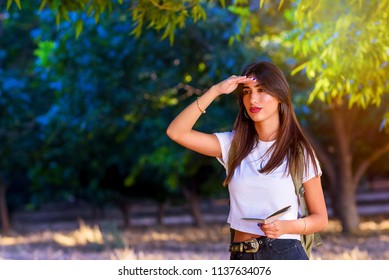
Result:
{"points": [[274, 249]]}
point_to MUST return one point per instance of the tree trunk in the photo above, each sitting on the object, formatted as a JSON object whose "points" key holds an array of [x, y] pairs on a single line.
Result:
{"points": [[4, 215], [161, 212], [349, 215], [346, 203], [125, 209], [194, 203]]}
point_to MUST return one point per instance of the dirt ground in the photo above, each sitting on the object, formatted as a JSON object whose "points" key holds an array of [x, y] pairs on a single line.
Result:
{"points": [[106, 240], [211, 243]]}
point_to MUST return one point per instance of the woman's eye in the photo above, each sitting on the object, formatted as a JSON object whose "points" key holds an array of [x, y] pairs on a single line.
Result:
{"points": [[261, 90], [246, 91]]}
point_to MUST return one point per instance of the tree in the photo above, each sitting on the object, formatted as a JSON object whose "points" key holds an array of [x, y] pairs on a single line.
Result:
{"points": [[320, 35], [114, 103], [163, 16], [344, 50], [22, 101]]}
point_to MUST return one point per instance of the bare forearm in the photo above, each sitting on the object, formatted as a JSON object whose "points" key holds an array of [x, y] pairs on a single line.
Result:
{"points": [[181, 128], [185, 121], [307, 225]]}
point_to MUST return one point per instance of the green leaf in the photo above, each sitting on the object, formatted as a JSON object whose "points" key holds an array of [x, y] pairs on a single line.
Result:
{"points": [[79, 27], [57, 20], [63, 12], [360, 4], [89, 11], [261, 3], [169, 32], [280, 5], [43, 4], [97, 17], [299, 68], [241, 11], [9, 3], [18, 4], [231, 40]]}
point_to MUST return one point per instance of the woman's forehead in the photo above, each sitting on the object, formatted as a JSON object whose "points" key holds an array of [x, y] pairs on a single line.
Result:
{"points": [[253, 84]]}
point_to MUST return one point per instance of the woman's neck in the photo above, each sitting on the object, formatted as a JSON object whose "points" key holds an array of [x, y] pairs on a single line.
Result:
{"points": [[267, 131]]}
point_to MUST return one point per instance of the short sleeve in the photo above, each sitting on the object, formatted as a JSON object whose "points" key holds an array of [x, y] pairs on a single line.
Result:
{"points": [[225, 139], [309, 172]]}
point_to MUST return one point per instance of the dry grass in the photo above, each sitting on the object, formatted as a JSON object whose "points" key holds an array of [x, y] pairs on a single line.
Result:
{"points": [[371, 243], [179, 242]]}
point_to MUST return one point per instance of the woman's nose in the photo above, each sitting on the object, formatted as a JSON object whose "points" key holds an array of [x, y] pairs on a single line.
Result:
{"points": [[254, 98]]}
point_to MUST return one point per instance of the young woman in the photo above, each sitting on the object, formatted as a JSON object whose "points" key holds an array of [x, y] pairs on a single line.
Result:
{"points": [[259, 156]]}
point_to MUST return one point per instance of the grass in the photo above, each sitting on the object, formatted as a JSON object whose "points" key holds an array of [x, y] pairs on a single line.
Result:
{"points": [[108, 242]]}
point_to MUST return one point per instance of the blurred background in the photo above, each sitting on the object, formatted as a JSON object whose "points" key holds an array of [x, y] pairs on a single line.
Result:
{"points": [[88, 88]]}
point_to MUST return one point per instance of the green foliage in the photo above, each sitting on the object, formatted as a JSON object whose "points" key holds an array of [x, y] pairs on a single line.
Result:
{"points": [[23, 99], [43, 52], [342, 48], [345, 49], [354, 32], [175, 14], [102, 102], [111, 99], [17, 2], [163, 16]]}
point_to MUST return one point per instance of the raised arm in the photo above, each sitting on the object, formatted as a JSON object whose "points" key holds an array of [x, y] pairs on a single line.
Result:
{"points": [[181, 129]]}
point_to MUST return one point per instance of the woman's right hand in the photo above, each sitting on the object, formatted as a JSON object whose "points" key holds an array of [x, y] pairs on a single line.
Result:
{"points": [[230, 84]]}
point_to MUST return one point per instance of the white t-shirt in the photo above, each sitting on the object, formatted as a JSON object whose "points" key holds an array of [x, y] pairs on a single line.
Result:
{"points": [[253, 194]]}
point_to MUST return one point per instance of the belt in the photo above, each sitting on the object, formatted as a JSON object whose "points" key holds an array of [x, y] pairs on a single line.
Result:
{"points": [[249, 246]]}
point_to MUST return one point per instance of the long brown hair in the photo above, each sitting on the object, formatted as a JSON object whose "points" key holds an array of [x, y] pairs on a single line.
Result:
{"points": [[290, 141]]}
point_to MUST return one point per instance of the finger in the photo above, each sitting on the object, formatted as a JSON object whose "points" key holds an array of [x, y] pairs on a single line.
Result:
{"points": [[270, 229], [241, 78], [232, 83], [267, 226], [245, 79], [272, 236]]}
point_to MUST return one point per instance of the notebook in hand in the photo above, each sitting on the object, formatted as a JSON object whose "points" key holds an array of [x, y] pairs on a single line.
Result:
{"points": [[273, 217]]}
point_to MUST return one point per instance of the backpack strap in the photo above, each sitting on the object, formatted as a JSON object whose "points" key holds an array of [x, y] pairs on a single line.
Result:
{"points": [[307, 240]]}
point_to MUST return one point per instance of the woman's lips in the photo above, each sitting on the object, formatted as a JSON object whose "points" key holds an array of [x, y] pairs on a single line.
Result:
{"points": [[255, 109]]}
